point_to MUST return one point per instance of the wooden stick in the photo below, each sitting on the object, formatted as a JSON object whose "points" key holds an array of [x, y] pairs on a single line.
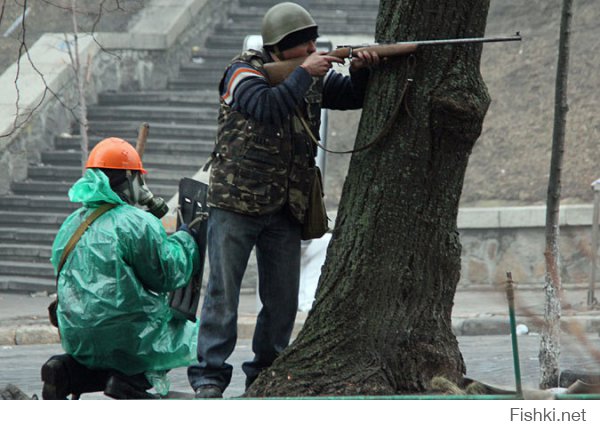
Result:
{"points": [[140, 146]]}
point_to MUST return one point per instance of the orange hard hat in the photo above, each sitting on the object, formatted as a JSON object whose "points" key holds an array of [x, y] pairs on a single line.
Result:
{"points": [[115, 153]]}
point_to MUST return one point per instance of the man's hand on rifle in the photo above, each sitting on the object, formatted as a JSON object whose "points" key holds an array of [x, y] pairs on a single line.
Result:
{"points": [[364, 59], [319, 63]]}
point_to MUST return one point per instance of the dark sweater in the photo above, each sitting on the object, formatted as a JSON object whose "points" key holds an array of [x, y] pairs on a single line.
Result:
{"points": [[249, 92]]}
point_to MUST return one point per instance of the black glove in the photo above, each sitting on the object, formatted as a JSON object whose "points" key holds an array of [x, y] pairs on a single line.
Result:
{"points": [[190, 231]]}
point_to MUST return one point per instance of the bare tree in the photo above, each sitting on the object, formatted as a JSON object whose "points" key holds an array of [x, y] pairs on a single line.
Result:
{"points": [[22, 118], [2, 10], [381, 323], [81, 71], [80, 80], [550, 336]]}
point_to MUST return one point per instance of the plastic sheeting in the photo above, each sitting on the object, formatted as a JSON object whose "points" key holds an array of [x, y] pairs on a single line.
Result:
{"points": [[312, 260], [113, 308]]}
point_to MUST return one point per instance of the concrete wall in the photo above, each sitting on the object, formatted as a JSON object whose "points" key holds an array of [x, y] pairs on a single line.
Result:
{"points": [[30, 114], [500, 240]]}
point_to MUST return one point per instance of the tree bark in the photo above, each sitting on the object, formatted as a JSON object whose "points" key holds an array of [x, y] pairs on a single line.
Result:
{"points": [[381, 323], [550, 339]]}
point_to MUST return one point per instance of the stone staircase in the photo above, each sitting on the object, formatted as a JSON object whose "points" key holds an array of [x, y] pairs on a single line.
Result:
{"points": [[182, 120], [180, 139]]}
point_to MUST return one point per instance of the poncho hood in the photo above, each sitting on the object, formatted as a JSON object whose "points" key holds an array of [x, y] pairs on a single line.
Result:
{"points": [[93, 189]]}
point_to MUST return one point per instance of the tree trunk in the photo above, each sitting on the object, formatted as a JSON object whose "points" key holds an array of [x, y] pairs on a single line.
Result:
{"points": [[381, 323], [550, 339]]}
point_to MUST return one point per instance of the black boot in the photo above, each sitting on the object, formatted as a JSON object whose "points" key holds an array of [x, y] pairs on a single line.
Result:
{"points": [[123, 387], [63, 376]]}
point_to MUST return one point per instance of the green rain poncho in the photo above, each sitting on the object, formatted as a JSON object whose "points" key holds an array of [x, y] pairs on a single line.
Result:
{"points": [[113, 308]]}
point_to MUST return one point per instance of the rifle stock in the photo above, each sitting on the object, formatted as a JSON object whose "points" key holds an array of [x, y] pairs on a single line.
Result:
{"points": [[278, 71]]}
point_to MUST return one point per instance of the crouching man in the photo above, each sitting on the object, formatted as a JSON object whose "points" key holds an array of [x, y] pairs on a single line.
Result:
{"points": [[114, 320]]}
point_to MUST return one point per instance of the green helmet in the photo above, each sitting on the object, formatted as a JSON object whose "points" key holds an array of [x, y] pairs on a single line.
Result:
{"points": [[284, 19]]}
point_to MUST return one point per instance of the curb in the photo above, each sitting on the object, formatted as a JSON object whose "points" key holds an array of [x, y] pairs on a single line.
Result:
{"points": [[36, 334], [497, 325]]}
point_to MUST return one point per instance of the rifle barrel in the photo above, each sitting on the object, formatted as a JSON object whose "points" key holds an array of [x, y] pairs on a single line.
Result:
{"points": [[515, 37]]}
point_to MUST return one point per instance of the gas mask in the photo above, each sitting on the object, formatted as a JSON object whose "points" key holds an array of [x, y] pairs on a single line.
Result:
{"points": [[135, 191]]}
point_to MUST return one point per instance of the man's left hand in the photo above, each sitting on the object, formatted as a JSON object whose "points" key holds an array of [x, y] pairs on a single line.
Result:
{"points": [[364, 59]]}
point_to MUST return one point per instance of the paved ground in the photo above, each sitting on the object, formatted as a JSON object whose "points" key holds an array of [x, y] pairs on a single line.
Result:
{"points": [[477, 311], [489, 359], [480, 320]]}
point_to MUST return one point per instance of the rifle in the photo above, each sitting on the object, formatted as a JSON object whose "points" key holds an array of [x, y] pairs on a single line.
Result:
{"points": [[278, 71]]}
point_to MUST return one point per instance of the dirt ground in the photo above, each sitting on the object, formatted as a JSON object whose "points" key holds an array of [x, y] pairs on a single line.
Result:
{"points": [[511, 161]]}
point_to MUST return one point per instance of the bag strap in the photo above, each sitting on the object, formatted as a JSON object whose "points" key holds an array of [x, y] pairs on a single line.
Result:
{"points": [[79, 232], [68, 248]]}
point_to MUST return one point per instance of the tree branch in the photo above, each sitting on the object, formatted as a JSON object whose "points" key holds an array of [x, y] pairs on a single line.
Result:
{"points": [[2, 10], [18, 122]]}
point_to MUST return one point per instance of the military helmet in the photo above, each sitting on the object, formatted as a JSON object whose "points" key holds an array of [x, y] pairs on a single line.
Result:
{"points": [[284, 19]]}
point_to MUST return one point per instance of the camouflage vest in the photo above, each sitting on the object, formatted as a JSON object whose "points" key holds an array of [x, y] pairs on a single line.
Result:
{"points": [[258, 168]]}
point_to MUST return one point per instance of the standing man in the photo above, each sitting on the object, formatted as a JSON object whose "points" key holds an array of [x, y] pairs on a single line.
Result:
{"points": [[259, 185]]}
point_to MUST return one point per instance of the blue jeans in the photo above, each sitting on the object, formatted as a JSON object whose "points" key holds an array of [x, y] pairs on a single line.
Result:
{"points": [[231, 238]]}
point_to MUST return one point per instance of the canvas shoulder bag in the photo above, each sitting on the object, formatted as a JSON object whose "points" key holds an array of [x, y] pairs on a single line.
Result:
{"points": [[316, 223]]}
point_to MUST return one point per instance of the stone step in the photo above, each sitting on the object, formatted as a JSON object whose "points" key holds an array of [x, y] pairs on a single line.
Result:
{"points": [[220, 56], [41, 219], [163, 173], [191, 68], [56, 204], [27, 235], [213, 59], [25, 252], [151, 160], [207, 77], [228, 40], [194, 82], [25, 268], [163, 98], [183, 84], [47, 188], [254, 15], [175, 169], [129, 130], [322, 11], [202, 66], [67, 158], [349, 25], [28, 284], [169, 176], [153, 145], [61, 173], [67, 142], [40, 188], [165, 114], [333, 15]]}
